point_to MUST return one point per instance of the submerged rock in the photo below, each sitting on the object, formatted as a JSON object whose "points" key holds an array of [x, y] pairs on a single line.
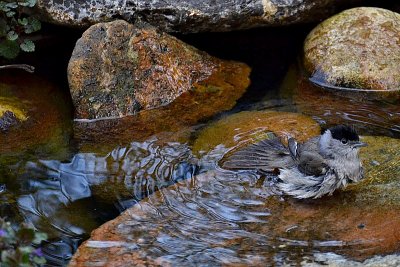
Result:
{"points": [[250, 126], [41, 114], [117, 69], [372, 112], [189, 15], [224, 217], [358, 48]]}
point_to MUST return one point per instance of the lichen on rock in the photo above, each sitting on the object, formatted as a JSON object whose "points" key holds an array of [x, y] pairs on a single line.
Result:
{"points": [[118, 69], [358, 48], [189, 15]]}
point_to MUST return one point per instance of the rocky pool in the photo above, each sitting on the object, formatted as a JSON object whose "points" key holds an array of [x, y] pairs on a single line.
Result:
{"points": [[159, 168]]}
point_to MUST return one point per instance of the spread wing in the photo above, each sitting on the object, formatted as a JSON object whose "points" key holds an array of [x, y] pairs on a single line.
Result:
{"points": [[266, 155]]}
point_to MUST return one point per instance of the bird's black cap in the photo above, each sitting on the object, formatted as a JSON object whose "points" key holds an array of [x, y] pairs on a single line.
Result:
{"points": [[340, 132]]}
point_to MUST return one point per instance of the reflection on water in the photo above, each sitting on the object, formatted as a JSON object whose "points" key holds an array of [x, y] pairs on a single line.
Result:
{"points": [[63, 199], [217, 216], [370, 112]]}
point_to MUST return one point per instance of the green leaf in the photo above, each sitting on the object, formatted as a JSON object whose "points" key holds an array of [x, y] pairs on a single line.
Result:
{"points": [[39, 260], [26, 249], [28, 3], [39, 237], [33, 25], [9, 49], [23, 21], [12, 36], [10, 14], [12, 5], [27, 46]]}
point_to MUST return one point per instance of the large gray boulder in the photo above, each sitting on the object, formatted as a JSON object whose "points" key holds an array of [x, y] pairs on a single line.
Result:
{"points": [[189, 15]]}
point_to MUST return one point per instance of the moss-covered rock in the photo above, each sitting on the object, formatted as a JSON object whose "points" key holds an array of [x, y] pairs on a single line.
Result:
{"points": [[42, 114], [11, 112], [250, 126], [358, 48]]}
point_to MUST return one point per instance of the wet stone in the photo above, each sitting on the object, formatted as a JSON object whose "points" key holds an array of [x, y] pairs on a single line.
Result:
{"points": [[372, 112], [7, 120], [225, 217], [33, 113], [356, 49], [250, 126], [118, 69]]}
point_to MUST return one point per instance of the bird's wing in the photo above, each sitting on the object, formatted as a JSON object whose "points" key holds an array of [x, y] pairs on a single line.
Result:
{"points": [[266, 155], [311, 163]]}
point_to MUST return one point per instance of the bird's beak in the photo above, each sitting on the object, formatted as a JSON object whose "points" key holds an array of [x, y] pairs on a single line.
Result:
{"points": [[359, 144]]}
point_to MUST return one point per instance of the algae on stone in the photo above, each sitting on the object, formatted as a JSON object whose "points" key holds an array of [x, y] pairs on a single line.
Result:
{"points": [[251, 126]]}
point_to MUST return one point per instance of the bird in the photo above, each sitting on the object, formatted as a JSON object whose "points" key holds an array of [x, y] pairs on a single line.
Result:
{"points": [[311, 169]]}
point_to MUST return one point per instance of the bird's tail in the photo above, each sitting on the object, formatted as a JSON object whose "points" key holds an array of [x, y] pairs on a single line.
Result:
{"points": [[294, 183]]}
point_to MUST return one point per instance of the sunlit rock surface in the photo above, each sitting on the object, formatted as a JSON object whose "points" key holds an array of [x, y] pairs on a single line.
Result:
{"points": [[223, 217], [189, 15], [248, 126], [118, 69], [172, 122], [358, 48]]}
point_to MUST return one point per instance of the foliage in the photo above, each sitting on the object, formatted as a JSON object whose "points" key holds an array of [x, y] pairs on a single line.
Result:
{"points": [[15, 24], [16, 246]]}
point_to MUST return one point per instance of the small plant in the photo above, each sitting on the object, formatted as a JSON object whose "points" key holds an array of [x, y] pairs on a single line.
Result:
{"points": [[16, 246], [15, 25]]}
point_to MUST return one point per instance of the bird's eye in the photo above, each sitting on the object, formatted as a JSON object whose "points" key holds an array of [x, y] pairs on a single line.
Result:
{"points": [[344, 141]]}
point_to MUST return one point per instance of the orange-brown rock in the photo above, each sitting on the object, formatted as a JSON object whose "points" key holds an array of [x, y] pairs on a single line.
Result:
{"points": [[249, 126], [41, 111], [118, 69], [219, 92], [232, 218]]}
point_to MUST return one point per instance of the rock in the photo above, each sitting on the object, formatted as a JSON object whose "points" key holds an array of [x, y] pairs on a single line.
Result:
{"points": [[35, 116], [189, 15], [250, 126], [11, 111], [332, 259], [117, 69], [375, 113], [7, 120], [358, 48], [222, 217]]}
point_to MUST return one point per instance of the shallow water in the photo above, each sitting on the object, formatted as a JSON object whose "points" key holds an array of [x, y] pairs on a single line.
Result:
{"points": [[78, 178]]}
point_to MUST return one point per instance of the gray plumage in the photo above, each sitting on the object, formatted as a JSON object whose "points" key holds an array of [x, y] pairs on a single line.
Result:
{"points": [[306, 170]]}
